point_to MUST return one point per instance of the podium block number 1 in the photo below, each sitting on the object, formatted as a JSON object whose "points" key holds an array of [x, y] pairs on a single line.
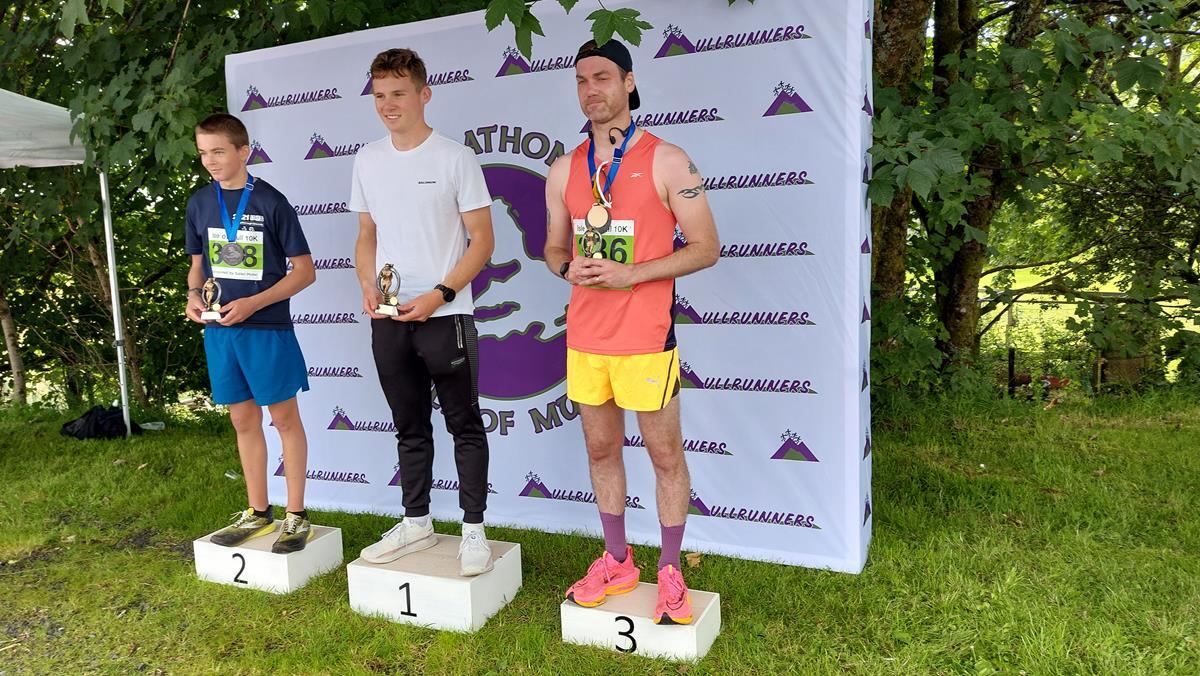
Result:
{"points": [[407, 612]]}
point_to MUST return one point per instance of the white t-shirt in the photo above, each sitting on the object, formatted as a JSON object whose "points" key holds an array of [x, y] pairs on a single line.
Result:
{"points": [[416, 198]]}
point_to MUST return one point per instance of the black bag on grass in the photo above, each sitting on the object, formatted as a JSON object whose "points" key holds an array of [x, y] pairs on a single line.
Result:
{"points": [[99, 423]]}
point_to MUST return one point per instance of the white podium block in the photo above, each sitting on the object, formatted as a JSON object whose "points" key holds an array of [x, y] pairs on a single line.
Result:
{"points": [[624, 623], [425, 589], [252, 564]]}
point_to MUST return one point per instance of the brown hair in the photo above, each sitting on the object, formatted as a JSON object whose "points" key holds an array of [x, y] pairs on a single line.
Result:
{"points": [[401, 63], [224, 123]]}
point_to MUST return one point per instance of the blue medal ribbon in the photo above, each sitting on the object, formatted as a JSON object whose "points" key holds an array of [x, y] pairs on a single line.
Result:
{"points": [[231, 225], [618, 153]]}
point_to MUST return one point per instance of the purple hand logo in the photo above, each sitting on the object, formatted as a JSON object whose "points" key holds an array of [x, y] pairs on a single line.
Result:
{"points": [[519, 308]]}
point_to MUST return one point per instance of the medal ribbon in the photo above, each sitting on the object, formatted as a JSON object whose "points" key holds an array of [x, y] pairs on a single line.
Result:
{"points": [[618, 153], [232, 224]]}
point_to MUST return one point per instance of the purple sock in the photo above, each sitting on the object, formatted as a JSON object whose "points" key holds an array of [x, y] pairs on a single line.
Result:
{"points": [[614, 535], [672, 542]]}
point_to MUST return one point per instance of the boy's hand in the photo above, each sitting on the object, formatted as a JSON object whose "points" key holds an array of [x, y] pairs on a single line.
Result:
{"points": [[194, 307], [238, 311]]}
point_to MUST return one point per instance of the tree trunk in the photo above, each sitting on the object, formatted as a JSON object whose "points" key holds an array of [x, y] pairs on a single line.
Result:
{"points": [[136, 382], [958, 279], [15, 362], [899, 55]]}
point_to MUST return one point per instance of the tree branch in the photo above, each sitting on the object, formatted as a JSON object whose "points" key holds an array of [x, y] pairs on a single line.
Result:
{"points": [[1040, 264]]}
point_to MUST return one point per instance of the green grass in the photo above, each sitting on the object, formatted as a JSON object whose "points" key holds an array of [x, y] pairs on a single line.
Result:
{"points": [[1007, 538]]}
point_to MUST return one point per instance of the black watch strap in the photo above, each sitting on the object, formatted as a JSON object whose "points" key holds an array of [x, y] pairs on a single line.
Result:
{"points": [[562, 269], [447, 293]]}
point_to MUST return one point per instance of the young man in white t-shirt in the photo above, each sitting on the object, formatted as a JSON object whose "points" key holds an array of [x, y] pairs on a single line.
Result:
{"points": [[424, 208]]}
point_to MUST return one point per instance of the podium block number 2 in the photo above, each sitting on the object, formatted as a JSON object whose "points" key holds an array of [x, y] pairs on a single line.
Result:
{"points": [[237, 577], [407, 612], [628, 633]]}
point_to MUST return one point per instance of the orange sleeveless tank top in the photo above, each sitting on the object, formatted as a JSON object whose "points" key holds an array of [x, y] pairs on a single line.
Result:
{"points": [[638, 320]]}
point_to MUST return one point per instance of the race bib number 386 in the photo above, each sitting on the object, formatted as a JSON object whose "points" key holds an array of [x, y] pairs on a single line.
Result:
{"points": [[616, 243], [242, 259]]}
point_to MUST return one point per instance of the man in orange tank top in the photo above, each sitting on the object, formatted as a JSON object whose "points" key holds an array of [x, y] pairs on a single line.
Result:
{"points": [[614, 204]]}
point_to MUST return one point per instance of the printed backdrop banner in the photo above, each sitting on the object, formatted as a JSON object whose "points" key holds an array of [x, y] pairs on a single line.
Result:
{"points": [[772, 101]]}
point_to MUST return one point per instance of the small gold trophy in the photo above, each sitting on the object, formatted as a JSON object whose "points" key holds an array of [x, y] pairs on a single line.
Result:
{"points": [[210, 295], [388, 283]]}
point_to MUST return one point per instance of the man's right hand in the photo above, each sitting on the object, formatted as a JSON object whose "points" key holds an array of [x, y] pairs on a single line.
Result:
{"points": [[573, 272], [372, 299], [194, 307]]}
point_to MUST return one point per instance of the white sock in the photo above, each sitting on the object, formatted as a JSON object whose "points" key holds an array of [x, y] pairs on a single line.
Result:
{"points": [[421, 521], [469, 528]]}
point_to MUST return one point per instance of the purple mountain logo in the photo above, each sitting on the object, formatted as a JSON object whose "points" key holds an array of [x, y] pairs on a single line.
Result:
{"points": [[690, 380], [867, 107], [867, 512], [866, 245], [534, 488], [514, 63], [256, 101], [787, 102], [342, 422], [697, 507], [257, 154], [675, 43], [793, 448], [866, 313], [320, 149], [867, 29], [867, 448], [686, 314], [866, 379]]}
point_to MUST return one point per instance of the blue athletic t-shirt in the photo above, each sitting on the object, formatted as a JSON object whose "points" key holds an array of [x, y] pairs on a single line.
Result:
{"points": [[268, 235]]}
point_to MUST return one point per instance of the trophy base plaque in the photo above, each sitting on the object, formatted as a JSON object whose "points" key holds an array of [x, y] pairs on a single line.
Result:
{"points": [[210, 316], [389, 310]]}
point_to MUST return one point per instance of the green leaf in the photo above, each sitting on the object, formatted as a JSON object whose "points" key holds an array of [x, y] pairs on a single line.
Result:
{"points": [[525, 40], [568, 4], [530, 21], [1026, 61], [318, 12], [494, 15], [74, 13], [920, 176], [143, 120], [515, 9], [603, 25], [946, 160], [629, 26], [1105, 151], [117, 6]]}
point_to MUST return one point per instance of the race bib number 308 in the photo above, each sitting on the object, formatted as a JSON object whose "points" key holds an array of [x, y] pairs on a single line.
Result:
{"points": [[242, 259]]}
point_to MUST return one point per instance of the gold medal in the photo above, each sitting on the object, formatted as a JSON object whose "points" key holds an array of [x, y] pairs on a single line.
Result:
{"points": [[598, 217]]}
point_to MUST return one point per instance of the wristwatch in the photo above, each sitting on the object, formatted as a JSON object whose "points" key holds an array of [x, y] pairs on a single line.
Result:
{"points": [[448, 294], [562, 269]]}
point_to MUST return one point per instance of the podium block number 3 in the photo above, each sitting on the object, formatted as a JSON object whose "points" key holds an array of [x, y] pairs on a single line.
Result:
{"points": [[628, 633], [407, 600], [237, 577]]}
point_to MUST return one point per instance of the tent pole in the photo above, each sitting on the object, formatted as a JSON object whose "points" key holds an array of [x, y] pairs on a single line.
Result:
{"points": [[118, 331]]}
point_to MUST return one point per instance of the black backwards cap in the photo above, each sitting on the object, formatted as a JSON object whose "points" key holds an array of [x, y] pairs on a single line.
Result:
{"points": [[617, 53]]}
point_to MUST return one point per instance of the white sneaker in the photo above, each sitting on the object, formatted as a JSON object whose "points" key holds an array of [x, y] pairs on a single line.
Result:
{"points": [[406, 537], [474, 553]]}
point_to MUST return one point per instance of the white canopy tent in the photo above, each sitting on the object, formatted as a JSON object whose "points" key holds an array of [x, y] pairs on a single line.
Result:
{"points": [[38, 134]]}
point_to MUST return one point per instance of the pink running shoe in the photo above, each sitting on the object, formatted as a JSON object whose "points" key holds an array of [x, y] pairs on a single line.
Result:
{"points": [[674, 604], [605, 576]]}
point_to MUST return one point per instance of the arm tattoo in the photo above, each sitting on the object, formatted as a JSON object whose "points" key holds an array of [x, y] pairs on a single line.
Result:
{"points": [[692, 168], [692, 193]]}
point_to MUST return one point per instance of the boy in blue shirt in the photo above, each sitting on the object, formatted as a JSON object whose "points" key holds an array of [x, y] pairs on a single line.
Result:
{"points": [[242, 232]]}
